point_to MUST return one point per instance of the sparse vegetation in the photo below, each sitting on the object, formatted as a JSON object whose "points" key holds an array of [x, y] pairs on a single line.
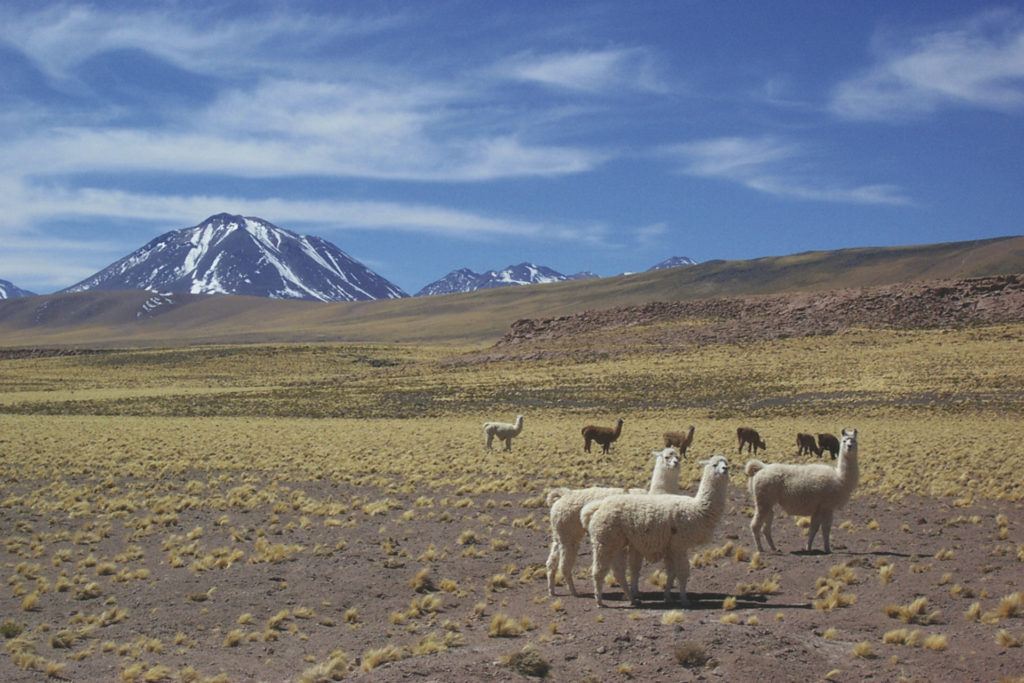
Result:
{"points": [[219, 484]]}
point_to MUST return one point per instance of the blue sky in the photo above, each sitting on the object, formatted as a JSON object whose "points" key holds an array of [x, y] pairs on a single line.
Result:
{"points": [[421, 137]]}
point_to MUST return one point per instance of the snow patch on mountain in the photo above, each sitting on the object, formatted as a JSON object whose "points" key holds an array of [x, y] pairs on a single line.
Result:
{"points": [[465, 280], [227, 254], [8, 290]]}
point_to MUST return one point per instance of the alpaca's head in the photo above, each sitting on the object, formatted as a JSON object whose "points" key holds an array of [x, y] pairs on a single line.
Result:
{"points": [[848, 442], [717, 464], [667, 459]]}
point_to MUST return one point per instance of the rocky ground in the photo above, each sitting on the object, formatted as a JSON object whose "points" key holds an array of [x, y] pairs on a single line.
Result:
{"points": [[911, 305]]}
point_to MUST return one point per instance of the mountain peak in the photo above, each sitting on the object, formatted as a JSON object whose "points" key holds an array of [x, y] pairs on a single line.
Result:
{"points": [[8, 290], [673, 262], [229, 254], [465, 280]]}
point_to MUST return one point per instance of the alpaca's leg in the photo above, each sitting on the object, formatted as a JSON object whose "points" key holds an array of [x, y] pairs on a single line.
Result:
{"points": [[619, 570], [826, 529], [490, 437], [683, 575], [598, 568], [552, 563], [815, 525], [677, 566], [670, 575], [636, 563], [763, 524], [570, 549], [586, 444], [757, 524], [508, 443]]}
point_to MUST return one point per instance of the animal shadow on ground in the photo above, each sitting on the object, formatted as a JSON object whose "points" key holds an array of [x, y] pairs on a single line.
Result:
{"points": [[653, 600]]}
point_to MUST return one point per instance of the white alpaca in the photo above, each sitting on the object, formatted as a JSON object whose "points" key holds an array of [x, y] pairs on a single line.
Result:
{"points": [[566, 529], [504, 431], [817, 490], [655, 527]]}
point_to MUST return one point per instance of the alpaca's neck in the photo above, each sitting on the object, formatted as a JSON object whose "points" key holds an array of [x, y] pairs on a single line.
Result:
{"points": [[664, 479], [711, 496], [618, 429], [847, 467]]}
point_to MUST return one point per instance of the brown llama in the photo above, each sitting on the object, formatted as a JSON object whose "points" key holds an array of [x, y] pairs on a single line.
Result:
{"points": [[806, 445], [602, 435], [750, 438], [679, 440], [828, 442]]}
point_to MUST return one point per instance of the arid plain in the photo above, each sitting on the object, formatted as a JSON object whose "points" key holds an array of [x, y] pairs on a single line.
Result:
{"points": [[326, 511]]}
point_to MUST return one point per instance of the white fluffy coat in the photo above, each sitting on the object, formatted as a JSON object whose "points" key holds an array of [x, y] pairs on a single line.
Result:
{"points": [[505, 431], [655, 527], [566, 529], [816, 490]]}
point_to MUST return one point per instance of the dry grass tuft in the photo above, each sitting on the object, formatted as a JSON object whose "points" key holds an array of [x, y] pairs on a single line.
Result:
{"points": [[527, 662], [691, 654], [913, 613]]}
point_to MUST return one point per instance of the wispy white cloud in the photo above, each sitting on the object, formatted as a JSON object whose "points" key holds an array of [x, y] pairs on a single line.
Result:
{"points": [[977, 64], [36, 205], [767, 165], [597, 71], [59, 37]]}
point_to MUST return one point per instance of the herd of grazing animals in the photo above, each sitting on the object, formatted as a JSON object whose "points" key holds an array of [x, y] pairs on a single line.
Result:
{"points": [[661, 523]]}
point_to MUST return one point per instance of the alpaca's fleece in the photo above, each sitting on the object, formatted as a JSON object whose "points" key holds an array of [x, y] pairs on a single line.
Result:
{"points": [[566, 529], [655, 527], [814, 490], [505, 431]]}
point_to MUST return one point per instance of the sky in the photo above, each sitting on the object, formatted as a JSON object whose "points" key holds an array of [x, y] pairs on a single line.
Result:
{"points": [[423, 137]]}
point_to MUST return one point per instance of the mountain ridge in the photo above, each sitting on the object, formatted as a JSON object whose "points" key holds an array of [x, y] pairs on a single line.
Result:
{"points": [[113, 318]]}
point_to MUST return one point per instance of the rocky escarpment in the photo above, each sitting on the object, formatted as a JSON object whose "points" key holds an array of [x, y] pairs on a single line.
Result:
{"points": [[912, 305]]}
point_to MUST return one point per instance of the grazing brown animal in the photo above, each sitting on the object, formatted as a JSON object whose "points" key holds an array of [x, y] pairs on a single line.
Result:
{"points": [[602, 435], [806, 445], [679, 440], [828, 442], [750, 438]]}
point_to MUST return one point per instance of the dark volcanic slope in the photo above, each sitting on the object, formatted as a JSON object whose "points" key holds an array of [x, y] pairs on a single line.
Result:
{"points": [[913, 305]]}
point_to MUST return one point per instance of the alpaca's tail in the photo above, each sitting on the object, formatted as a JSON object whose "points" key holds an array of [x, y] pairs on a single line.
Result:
{"points": [[753, 467], [587, 512], [555, 494]]}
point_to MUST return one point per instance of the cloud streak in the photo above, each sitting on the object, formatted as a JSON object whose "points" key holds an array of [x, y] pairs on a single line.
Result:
{"points": [[601, 71], [763, 164], [977, 65]]}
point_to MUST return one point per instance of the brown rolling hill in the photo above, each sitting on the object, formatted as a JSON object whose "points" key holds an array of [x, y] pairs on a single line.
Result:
{"points": [[137, 318]]}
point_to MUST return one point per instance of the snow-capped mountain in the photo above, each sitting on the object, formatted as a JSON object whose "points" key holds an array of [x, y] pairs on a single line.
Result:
{"points": [[465, 280], [673, 262], [228, 254], [582, 275], [9, 291]]}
